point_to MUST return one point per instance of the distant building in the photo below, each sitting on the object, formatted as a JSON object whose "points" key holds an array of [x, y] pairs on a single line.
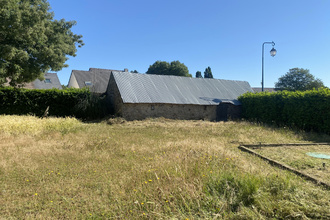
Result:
{"points": [[95, 79], [258, 89], [51, 81], [139, 96]]}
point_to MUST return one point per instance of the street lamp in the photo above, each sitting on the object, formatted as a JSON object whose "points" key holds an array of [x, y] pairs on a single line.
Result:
{"points": [[272, 53]]}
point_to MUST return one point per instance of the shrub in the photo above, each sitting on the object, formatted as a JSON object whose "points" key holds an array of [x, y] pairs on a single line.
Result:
{"points": [[308, 110], [80, 103]]}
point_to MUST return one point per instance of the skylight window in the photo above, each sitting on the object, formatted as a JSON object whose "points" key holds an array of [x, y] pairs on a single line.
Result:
{"points": [[88, 83], [48, 81]]}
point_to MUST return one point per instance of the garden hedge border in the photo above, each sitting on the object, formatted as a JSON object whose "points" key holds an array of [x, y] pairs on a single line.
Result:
{"points": [[308, 110], [79, 103]]}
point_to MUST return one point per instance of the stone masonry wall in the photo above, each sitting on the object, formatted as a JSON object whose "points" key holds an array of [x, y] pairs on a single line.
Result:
{"points": [[172, 111]]}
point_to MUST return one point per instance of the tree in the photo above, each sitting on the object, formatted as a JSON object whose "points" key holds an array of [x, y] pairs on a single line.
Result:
{"points": [[179, 69], [135, 71], [164, 68], [208, 73], [298, 79], [199, 74], [159, 68], [32, 42]]}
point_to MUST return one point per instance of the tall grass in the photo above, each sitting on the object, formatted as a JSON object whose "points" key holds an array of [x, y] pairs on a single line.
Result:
{"points": [[152, 169], [33, 125]]}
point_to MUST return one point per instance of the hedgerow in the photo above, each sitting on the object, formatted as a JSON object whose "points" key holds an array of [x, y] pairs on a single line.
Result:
{"points": [[79, 103], [307, 110]]}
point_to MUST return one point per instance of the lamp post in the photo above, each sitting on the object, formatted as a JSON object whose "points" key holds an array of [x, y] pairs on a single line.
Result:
{"points": [[272, 53]]}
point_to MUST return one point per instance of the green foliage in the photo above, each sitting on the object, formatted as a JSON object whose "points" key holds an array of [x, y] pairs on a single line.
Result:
{"points": [[174, 68], [32, 42], [208, 73], [199, 74], [80, 103], [159, 68], [309, 110], [298, 79]]}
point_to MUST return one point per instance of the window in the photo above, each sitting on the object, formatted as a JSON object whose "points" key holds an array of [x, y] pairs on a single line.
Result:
{"points": [[88, 83], [48, 81]]}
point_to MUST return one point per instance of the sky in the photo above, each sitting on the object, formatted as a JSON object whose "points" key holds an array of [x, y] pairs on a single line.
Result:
{"points": [[226, 35]]}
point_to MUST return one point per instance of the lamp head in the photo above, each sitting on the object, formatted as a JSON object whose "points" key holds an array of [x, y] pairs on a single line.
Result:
{"points": [[273, 52]]}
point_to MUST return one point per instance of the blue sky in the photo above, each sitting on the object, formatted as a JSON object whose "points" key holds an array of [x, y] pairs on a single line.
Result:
{"points": [[225, 35]]}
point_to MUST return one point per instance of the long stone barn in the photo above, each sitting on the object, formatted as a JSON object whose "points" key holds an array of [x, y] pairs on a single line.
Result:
{"points": [[136, 96]]}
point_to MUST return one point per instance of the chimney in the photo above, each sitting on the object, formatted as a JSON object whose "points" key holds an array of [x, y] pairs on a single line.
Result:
{"points": [[125, 70]]}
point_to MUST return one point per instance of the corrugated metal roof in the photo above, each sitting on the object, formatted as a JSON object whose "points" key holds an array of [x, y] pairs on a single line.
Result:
{"points": [[145, 88]]}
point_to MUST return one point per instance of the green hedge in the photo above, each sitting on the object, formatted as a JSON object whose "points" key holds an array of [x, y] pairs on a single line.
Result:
{"points": [[309, 110], [80, 103]]}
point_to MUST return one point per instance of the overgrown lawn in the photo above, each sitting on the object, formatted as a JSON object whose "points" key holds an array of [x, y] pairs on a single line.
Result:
{"points": [[153, 169]]}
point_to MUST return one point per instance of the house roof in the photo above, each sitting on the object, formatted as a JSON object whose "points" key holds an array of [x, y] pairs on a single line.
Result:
{"points": [[99, 78], [81, 77], [145, 88], [51, 81]]}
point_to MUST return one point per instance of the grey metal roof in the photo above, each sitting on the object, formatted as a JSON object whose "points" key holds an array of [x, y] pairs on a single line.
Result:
{"points": [[51, 81], [144, 88]]}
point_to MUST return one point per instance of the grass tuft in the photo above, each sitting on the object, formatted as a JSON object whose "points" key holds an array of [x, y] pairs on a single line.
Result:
{"points": [[236, 188]]}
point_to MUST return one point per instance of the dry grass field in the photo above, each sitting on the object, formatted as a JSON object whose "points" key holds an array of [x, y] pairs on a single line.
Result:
{"points": [[59, 168]]}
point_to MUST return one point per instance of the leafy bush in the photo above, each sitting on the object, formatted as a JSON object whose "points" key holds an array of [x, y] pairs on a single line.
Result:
{"points": [[80, 103], [308, 110]]}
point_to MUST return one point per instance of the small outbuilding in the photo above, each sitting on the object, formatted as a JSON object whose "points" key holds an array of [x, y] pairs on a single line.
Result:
{"points": [[135, 96]]}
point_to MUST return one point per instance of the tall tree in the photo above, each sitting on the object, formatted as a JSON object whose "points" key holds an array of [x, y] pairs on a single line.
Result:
{"points": [[32, 42], [178, 69], [164, 68], [298, 79], [199, 74], [159, 68], [208, 73]]}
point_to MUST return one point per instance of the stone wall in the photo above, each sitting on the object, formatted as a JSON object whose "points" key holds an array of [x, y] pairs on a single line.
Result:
{"points": [[173, 111]]}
